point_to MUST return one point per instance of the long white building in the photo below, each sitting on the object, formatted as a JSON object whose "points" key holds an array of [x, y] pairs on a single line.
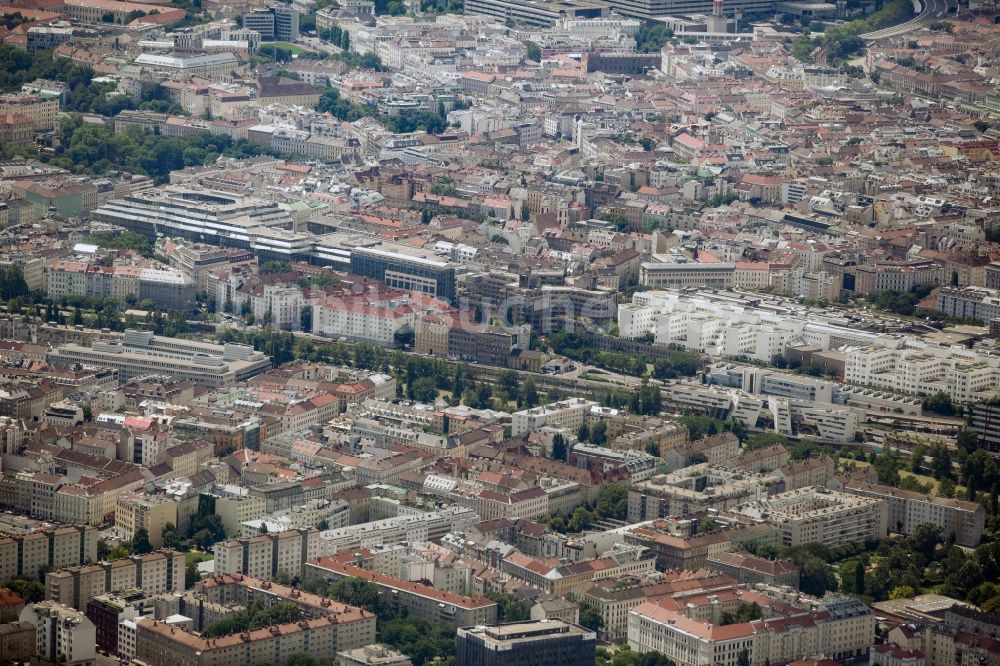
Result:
{"points": [[913, 368], [728, 327], [841, 628]]}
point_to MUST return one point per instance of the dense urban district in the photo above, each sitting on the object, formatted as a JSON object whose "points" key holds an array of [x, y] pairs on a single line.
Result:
{"points": [[500, 332]]}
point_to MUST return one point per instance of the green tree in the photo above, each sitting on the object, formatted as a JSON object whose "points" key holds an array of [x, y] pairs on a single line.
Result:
{"points": [[534, 50], [599, 433], [559, 447], [509, 607], [590, 617], [140, 542], [171, 537], [425, 389]]}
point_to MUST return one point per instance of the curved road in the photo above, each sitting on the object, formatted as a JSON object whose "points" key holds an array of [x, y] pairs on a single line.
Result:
{"points": [[931, 9]]}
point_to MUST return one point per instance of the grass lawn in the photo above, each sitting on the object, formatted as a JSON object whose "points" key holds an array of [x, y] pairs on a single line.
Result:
{"points": [[195, 556], [294, 48]]}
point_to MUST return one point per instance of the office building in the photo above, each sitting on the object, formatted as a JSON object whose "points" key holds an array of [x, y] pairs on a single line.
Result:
{"points": [[652, 9], [405, 267], [63, 635], [550, 642], [985, 422], [274, 23], [180, 63], [209, 217], [372, 655], [139, 353], [542, 13], [679, 276]]}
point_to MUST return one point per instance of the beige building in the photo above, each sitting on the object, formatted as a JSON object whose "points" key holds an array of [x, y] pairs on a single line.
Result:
{"points": [[236, 510], [151, 512], [42, 112], [908, 509], [28, 555], [842, 628], [818, 515], [158, 572], [418, 599]]}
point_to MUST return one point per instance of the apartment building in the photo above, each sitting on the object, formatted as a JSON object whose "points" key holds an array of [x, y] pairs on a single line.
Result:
{"points": [[561, 580], [816, 471], [567, 414], [530, 503], [417, 599], [695, 488], [154, 573], [255, 555], [246, 590], [749, 569], [690, 553], [841, 628], [136, 511], [30, 555], [714, 450], [161, 644], [197, 260], [234, 511], [762, 460], [908, 509], [819, 515], [43, 112], [63, 635], [613, 598]]}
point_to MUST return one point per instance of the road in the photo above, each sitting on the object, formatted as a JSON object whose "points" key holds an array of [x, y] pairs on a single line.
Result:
{"points": [[926, 10]]}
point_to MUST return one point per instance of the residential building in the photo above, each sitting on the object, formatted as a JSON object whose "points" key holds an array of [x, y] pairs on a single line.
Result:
{"points": [[747, 568], [819, 515], [419, 600], [63, 635], [907, 510], [842, 628], [567, 414]]}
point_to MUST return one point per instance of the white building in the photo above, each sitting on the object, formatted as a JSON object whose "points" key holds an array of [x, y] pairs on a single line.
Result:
{"points": [[567, 414], [63, 634], [915, 368]]}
